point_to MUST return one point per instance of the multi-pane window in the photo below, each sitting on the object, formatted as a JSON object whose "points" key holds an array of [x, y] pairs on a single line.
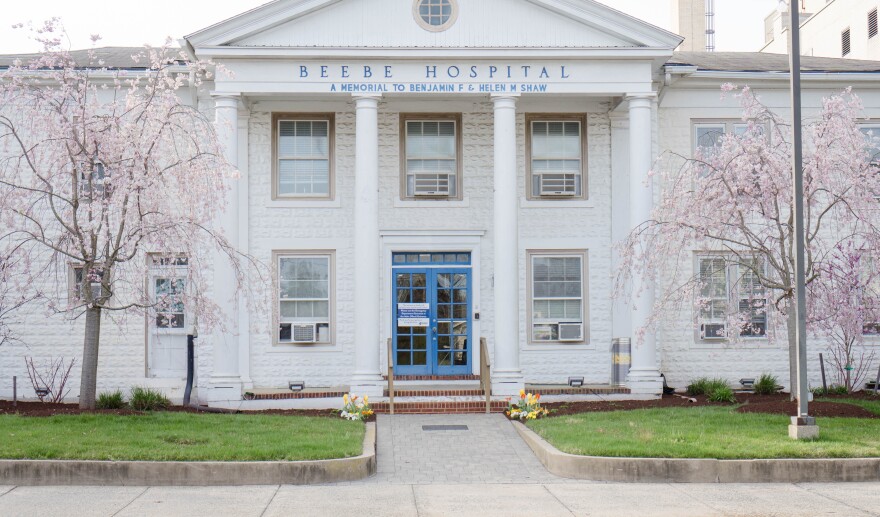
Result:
{"points": [[724, 286], [557, 297], [431, 161], [872, 23], [556, 158], [872, 139], [168, 278], [304, 297], [708, 135], [78, 282], [303, 157], [871, 282], [436, 14], [845, 43]]}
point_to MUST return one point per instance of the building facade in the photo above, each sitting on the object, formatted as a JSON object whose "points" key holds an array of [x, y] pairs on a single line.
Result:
{"points": [[425, 175], [829, 28]]}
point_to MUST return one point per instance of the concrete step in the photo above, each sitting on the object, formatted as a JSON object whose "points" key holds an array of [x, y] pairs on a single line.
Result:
{"points": [[434, 408], [434, 378]]}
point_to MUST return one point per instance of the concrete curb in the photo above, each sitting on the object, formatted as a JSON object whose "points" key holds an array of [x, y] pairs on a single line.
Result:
{"points": [[664, 470], [197, 473]]}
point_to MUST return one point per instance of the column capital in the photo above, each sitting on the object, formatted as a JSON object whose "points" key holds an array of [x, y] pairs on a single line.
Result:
{"points": [[504, 100], [227, 99], [641, 100], [367, 99]]}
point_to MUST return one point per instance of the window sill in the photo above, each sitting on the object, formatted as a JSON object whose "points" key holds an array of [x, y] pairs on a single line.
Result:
{"points": [[557, 347], [751, 344], [556, 203], [304, 203], [296, 348], [437, 203]]}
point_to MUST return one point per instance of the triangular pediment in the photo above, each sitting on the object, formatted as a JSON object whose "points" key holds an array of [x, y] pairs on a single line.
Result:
{"points": [[482, 24]]}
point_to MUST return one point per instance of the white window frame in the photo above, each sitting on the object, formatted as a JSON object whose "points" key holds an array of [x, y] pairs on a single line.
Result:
{"points": [[74, 293], [733, 299], [425, 24], [169, 268], [531, 299], [329, 322], [277, 120], [581, 174], [405, 120]]}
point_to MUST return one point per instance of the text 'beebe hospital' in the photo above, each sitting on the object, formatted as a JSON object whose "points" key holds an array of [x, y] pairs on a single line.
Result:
{"points": [[478, 72]]}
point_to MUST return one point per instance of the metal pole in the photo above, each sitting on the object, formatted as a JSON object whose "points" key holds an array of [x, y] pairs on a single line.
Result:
{"points": [[822, 365], [798, 177], [14, 391]]}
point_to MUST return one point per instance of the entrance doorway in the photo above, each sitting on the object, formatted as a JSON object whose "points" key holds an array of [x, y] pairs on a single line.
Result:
{"points": [[432, 313]]}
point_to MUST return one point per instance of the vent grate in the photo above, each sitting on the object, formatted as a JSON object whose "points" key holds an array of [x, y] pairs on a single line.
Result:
{"points": [[444, 428]]}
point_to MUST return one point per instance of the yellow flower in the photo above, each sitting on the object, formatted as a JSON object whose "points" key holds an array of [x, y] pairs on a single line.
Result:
{"points": [[366, 399], [522, 393], [345, 398]]}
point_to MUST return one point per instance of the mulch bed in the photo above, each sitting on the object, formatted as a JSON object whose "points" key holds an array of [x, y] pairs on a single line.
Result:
{"points": [[39, 409], [750, 403]]}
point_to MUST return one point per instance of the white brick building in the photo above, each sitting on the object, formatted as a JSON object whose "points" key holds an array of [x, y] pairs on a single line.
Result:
{"points": [[433, 172]]}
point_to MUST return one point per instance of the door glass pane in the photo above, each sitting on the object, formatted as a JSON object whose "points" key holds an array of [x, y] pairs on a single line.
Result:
{"points": [[420, 358]]}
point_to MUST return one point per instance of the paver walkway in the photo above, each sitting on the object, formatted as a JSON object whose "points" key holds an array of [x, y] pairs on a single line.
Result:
{"points": [[489, 451]]}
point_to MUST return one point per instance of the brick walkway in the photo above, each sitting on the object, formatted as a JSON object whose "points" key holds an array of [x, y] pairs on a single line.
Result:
{"points": [[489, 451]]}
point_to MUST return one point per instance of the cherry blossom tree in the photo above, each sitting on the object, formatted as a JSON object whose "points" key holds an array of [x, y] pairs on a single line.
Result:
{"points": [[845, 305], [734, 200], [105, 172]]}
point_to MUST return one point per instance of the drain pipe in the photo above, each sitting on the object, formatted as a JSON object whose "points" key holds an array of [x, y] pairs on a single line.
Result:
{"points": [[190, 368]]}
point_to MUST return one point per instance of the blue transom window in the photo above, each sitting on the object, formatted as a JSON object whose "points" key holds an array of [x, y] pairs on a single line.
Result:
{"points": [[433, 258]]}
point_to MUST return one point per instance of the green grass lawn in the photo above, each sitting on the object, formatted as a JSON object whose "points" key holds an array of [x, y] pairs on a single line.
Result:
{"points": [[179, 437], [706, 432]]}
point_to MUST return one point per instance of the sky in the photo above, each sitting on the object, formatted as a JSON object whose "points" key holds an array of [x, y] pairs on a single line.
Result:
{"points": [[739, 25]]}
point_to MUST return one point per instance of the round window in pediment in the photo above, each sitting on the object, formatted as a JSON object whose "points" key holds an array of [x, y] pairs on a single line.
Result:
{"points": [[435, 15]]}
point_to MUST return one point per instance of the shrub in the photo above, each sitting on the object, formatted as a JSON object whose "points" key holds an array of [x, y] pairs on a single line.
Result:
{"points": [[766, 384], [111, 400], [705, 386], [698, 386], [834, 389], [722, 394], [145, 399]]}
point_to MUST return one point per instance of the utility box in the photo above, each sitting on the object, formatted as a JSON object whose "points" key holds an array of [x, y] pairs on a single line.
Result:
{"points": [[621, 348]]}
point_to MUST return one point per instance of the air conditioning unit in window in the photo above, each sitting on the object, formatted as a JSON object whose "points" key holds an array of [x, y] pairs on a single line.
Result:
{"points": [[431, 184], [304, 333], [713, 331], [558, 184], [571, 332]]}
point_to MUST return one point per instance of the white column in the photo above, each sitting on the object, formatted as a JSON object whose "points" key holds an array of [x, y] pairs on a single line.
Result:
{"points": [[367, 378], [244, 221], [225, 382], [507, 378], [644, 376]]}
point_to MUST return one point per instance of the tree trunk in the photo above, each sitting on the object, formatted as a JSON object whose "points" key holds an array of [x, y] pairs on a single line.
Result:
{"points": [[89, 378], [792, 352]]}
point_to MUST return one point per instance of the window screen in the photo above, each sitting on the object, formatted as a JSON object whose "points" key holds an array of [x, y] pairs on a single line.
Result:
{"points": [[303, 158]]}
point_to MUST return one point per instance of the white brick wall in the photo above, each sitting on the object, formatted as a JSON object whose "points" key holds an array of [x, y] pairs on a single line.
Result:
{"points": [[586, 226]]}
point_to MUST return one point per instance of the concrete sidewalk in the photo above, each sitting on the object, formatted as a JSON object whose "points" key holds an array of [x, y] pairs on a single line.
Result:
{"points": [[593, 499]]}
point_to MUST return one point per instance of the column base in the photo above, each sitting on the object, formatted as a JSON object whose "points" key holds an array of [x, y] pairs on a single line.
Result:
{"points": [[507, 384], [372, 385], [224, 390], [645, 382], [803, 428]]}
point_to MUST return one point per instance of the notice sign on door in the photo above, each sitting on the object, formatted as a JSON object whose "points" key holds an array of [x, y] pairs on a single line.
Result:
{"points": [[413, 314]]}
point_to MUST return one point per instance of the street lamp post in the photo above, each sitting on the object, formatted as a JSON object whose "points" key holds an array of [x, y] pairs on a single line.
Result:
{"points": [[802, 426]]}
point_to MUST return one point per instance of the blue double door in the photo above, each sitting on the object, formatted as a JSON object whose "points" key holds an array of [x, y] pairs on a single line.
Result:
{"points": [[432, 324]]}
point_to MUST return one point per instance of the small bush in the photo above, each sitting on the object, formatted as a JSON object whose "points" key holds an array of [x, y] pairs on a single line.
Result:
{"points": [[832, 390], [111, 400], [145, 399], [698, 386], [766, 384], [722, 394], [705, 386]]}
